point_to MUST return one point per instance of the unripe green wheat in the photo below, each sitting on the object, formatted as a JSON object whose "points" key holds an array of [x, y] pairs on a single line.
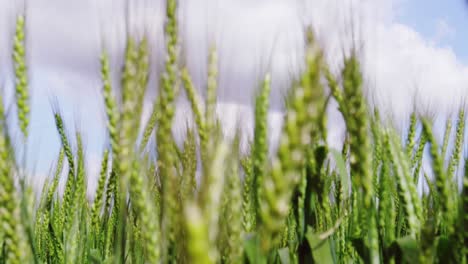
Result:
{"points": [[9, 214], [165, 150], [448, 130], [260, 144], [113, 116], [148, 207], [235, 217], [386, 204], [411, 135], [98, 198], [189, 164], [21, 75], [287, 167], [464, 211], [441, 180], [81, 180], [335, 91], [146, 214], [418, 157], [55, 182], [231, 219], [249, 220], [150, 125], [357, 124], [110, 103], [143, 66], [458, 144], [197, 107], [301, 201], [128, 122], [377, 146], [211, 92], [211, 193], [68, 207], [15, 250], [406, 186]]}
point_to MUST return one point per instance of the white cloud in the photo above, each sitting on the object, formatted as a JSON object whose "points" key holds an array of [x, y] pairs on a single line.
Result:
{"points": [[431, 76], [401, 66]]}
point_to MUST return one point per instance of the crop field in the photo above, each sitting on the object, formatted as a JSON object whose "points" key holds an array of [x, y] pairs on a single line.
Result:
{"points": [[208, 202]]}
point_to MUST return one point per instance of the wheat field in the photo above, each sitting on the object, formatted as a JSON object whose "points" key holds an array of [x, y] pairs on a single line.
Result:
{"points": [[307, 203]]}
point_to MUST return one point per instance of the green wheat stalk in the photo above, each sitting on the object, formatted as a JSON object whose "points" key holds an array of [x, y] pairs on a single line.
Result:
{"points": [[21, 75]]}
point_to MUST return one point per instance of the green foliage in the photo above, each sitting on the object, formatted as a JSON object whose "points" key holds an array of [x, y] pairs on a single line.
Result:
{"points": [[207, 203]]}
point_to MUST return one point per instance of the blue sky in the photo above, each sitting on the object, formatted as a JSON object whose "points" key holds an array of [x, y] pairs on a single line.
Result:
{"points": [[427, 16]]}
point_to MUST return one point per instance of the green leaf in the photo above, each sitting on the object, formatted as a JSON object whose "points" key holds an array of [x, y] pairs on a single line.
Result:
{"points": [[405, 250], [446, 250], [321, 251], [283, 254], [253, 252], [94, 256], [361, 249]]}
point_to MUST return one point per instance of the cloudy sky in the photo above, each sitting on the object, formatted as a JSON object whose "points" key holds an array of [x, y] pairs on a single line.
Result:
{"points": [[413, 52]]}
